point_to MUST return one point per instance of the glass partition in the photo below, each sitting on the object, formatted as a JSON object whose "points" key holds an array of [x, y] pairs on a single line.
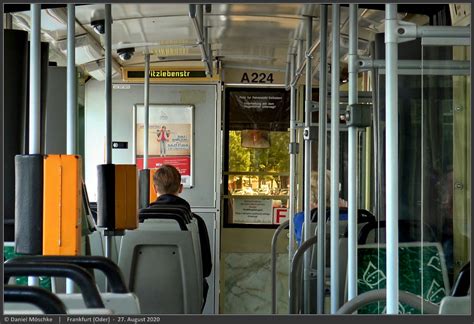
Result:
{"points": [[434, 179]]}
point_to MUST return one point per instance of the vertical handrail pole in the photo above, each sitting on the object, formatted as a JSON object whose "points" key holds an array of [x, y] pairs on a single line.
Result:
{"points": [[293, 153], [335, 158], [391, 147], [295, 275], [299, 54], [273, 252], [71, 79], [108, 84], [307, 163], [35, 80], [352, 172], [71, 95], [35, 91], [321, 255], [108, 105], [146, 111]]}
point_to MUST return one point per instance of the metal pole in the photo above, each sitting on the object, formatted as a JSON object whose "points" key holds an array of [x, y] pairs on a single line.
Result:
{"points": [[71, 96], [35, 80], [307, 165], [335, 158], [299, 54], [416, 64], [295, 274], [108, 84], [71, 79], [321, 255], [391, 162], [200, 20], [293, 152], [108, 106], [352, 172], [147, 111], [8, 21], [287, 74], [433, 31], [376, 135], [208, 49], [35, 91], [280, 228], [195, 13]]}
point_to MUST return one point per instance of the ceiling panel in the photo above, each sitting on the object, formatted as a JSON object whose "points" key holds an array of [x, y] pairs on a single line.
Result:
{"points": [[247, 34]]}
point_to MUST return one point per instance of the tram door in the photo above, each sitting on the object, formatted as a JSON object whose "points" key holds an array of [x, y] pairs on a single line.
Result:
{"points": [[190, 113]]}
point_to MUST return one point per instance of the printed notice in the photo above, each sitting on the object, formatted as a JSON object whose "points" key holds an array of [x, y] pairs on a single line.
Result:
{"points": [[253, 211]]}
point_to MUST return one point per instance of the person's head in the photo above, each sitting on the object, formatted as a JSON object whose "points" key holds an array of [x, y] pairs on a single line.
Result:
{"points": [[314, 188], [167, 180], [163, 127]]}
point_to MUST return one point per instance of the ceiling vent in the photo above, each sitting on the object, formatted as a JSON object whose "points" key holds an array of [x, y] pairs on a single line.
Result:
{"points": [[97, 70], [87, 50]]}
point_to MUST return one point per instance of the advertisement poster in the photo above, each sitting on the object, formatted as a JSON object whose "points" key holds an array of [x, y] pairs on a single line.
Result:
{"points": [[170, 138]]}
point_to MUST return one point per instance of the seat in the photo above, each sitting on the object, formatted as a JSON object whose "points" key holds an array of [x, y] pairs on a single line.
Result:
{"points": [[44, 301], [89, 294], [451, 305], [432, 283], [167, 217], [363, 217], [457, 304], [160, 267], [119, 300]]}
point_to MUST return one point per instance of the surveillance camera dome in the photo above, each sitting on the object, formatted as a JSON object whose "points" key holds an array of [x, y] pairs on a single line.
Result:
{"points": [[126, 53], [99, 26]]}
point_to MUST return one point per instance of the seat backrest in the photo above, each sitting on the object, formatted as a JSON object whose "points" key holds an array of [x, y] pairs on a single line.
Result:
{"points": [[432, 284], [170, 225], [455, 305], [160, 268]]}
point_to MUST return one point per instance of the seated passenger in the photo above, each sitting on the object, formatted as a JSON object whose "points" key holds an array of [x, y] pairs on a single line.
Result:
{"points": [[167, 183], [298, 220]]}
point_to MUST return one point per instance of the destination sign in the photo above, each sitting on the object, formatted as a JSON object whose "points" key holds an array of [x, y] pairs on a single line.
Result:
{"points": [[167, 74]]}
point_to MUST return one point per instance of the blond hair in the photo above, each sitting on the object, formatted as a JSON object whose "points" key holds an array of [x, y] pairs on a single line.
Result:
{"points": [[314, 187], [167, 179]]}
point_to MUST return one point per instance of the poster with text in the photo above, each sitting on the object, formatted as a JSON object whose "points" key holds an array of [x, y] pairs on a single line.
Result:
{"points": [[170, 138], [252, 211]]}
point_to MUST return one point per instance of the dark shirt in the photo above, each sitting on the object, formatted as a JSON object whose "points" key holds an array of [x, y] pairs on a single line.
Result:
{"points": [[169, 199]]}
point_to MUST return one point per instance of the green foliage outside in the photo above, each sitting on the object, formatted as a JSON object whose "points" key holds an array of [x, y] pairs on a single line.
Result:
{"points": [[272, 159]]}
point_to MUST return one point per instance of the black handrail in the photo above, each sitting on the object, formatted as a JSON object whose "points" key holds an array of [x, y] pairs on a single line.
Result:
{"points": [[48, 302], [463, 282], [363, 215], [80, 276], [109, 268], [153, 214]]}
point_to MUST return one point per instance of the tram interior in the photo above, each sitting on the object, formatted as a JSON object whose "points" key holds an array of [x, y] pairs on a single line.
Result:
{"points": [[267, 111]]}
